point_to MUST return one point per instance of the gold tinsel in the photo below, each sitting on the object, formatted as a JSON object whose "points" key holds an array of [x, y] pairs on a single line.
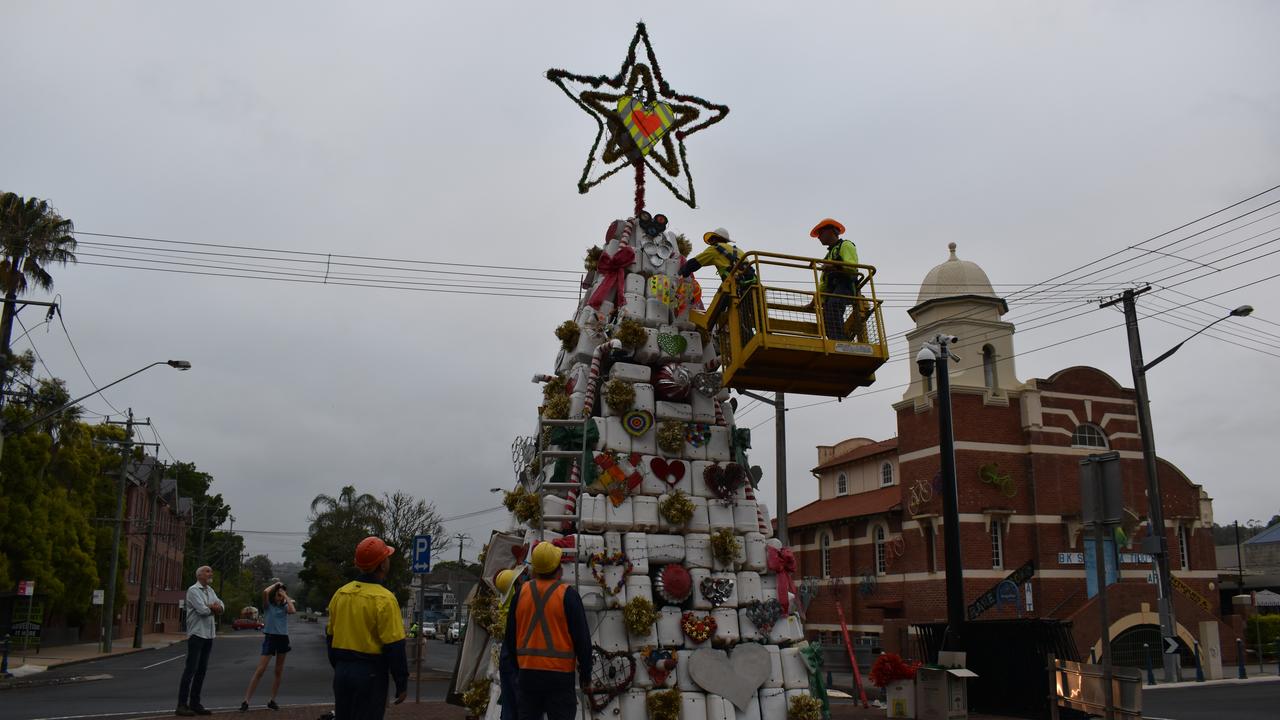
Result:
{"points": [[671, 436], [683, 245], [485, 612], [639, 615], [593, 258], [568, 333], [631, 334], [663, 704], [555, 387], [620, 394], [804, 707], [524, 505], [556, 408], [676, 508], [725, 546], [476, 697]]}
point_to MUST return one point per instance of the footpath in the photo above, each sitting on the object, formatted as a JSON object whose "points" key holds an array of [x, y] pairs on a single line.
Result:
{"points": [[24, 664]]}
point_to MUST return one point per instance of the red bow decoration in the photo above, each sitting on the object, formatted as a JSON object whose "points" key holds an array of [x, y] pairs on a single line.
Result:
{"points": [[783, 563], [519, 552], [567, 542], [612, 270]]}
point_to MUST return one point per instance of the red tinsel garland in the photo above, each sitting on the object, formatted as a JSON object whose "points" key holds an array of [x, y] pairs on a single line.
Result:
{"points": [[890, 668]]}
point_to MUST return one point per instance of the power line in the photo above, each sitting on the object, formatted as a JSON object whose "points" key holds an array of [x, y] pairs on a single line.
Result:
{"points": [[74, 351]]}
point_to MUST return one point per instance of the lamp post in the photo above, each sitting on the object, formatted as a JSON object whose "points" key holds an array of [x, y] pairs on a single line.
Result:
{"points": [[1159, 545], [936, 353]]}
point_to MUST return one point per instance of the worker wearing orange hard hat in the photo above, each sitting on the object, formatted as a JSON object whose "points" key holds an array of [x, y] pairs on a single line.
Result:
{"points": [[549, 638], [722, 254], [365, 636], [837, 284]]}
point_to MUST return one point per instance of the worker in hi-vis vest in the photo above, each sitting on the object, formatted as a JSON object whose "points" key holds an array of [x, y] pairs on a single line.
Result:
{"points": [[547, 633], [722, 254], [837, 284], [507, 668]]}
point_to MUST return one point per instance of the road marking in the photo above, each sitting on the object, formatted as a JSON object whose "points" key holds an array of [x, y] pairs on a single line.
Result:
{"points": [[175, 657], [101, 715]]}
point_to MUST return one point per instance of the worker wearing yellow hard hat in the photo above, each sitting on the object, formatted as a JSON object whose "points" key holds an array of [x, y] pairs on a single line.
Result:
{"points": [[549, 639], [723, 255], [837, 284], [507, 669]]}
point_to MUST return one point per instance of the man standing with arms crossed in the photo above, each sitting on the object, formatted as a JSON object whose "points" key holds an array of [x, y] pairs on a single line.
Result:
{"points": [[547, 633], [202, 607], [365, 636]]}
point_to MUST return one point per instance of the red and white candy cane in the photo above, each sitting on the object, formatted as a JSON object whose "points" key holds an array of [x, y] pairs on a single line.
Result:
{"points": [[760, 523]]}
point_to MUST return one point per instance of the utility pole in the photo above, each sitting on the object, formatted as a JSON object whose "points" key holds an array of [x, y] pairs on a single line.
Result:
{"points": [[1239, 563], [157, 471], [222, 577], [1159, 545], [779, 403], [462, 539], [109, 602]]}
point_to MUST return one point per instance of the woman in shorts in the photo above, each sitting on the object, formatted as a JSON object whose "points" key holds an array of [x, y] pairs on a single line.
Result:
{"points": [[278, 606]]}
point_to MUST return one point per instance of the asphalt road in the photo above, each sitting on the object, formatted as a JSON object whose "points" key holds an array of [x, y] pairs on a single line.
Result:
{"points": [[1243, 701], [146, 683]]}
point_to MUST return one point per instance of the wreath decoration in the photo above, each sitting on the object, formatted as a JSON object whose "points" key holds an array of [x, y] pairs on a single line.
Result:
{"points": [[674, 584], [630, 333], [476, 697], [698, 629], [716, 589], [804, 707], [599, 560], [568, 333], [639, 615], [620, 394], [683, 245], [663, 704], [676, 508], [725, 546], [593, 258], [671, 436]]}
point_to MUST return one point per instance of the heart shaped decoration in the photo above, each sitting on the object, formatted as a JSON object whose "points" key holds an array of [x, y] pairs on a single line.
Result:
{"points": [[763, 614], [697, 434], [708, 383], [519, 552], [659, 663], [698, 628], [724, 481], [716, 589], [611, 675], [670, 472], [645, 124], [637, 422], [673, 345], [602, 559], [735, 678]]}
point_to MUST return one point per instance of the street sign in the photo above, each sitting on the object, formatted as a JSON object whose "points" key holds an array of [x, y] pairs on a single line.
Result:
{"points": [[98, 597], [422, 553], [1170, 646], [26, 588]]}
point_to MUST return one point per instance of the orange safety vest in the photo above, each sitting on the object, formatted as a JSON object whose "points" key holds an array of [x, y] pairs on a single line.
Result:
{"points": [[542, 631]]}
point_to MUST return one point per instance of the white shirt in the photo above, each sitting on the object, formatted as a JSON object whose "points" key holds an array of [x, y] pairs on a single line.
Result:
{"points": [[200, 619]]}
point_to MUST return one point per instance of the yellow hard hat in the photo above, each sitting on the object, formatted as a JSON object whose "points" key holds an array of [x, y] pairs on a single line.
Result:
{"points": [[546, 558], [503, 581]]}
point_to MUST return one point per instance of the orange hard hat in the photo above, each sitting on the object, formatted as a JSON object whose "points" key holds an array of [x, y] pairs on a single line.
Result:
{"points": [[825, 222], [371, 552]]}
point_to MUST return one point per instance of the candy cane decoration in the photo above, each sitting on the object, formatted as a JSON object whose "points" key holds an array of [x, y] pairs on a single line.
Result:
{"points": [[760, 523]]}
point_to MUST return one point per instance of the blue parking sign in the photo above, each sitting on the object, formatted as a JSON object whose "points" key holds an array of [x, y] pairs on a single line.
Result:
{"points": [[422, 553]]}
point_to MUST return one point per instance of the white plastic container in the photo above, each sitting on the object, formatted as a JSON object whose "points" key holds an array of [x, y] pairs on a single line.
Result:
{"points": [[697, 551], [703, 408], [630, 372], [693, 348], [636, 283], [720, 515], [727, 632], [666, 410], [719, 708], [637, 549], [617, 439], [745, 518], [645, 443], [751, 712], [664, 549], [700, 488], [795, 674], [733, 600], [632, 704], [645, 510], [773, 703], [649, 352], [588, 544], [633, 308], [748, 587], [775, 667], [656, 313], [747, 629], [699, 522], [593, 512], [754, 549], [684, 680], [619, 518], [640, 586], [670, 635], [787, 630], [693, 706], [718, 448], [610, 634], [697, 575]]}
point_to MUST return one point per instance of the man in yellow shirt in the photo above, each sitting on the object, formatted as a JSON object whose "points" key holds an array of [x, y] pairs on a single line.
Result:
{"points": [[722, 254], [365, 637], [837, 284]]}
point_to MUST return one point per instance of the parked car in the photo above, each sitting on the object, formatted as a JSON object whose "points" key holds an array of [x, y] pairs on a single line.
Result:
{"points": [[247, 623], [454, 633], [429, 631]]}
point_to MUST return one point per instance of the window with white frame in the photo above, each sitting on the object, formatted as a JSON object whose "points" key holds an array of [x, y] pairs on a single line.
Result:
{"points": [[997, 545], [826, 555], [886, 474], [1184, 546], [989, 366], [842, 484], [1089, 435], [882, 564]]}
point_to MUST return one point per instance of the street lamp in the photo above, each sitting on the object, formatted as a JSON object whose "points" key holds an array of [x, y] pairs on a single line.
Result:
{"points": [[936, 354], [180, 365], [1156, 543]]}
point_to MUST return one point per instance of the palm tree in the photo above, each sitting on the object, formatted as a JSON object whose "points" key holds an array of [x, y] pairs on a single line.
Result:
{"points": [[347, 510], [33, 236]]}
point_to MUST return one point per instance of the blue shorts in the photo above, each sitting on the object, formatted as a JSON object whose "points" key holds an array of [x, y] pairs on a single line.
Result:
{"points": [[275, 644]]}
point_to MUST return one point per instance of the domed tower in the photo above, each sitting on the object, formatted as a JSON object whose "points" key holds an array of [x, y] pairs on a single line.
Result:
{"points": [[956, 298]]}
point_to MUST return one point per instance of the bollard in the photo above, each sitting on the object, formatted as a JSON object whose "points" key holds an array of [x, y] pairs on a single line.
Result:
{"points": [[1151, 676], [4, 660], [1199, 668], [1240, 659]]}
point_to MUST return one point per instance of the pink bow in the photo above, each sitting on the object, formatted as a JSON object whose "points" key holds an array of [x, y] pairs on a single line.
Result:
{"points": [[783, 563], [613, 272]]}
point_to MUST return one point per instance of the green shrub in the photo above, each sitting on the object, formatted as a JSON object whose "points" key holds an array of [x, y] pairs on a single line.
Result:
{"points": [[1270, 628]]}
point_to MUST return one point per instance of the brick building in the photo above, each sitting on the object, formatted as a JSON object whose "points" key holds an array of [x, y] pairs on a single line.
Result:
{"points": [[874, 538], [167, 588]]}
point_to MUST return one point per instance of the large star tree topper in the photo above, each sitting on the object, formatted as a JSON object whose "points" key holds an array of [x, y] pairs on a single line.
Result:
{"points": [[638, 115]]}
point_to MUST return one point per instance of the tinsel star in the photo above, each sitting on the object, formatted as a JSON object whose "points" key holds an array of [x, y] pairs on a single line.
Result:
{"points": [[640, 79]]}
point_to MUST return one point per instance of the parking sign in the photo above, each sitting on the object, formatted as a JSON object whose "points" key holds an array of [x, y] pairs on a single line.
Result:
{"points": [[422, 554]]}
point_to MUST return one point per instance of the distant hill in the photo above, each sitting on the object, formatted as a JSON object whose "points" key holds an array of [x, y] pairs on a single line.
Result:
{"points": [[288, 574]]}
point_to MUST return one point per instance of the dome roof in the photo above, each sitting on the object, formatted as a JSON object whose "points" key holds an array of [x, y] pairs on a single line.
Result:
{"points": [[953, 278]]}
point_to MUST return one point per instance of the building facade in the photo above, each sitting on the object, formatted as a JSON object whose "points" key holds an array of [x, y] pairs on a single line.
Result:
{"points": [[166, 589], [874, 538]]}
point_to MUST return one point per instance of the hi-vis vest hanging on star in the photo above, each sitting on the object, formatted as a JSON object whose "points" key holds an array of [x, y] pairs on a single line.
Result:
{"points": [[646, 125], [542, 631]]}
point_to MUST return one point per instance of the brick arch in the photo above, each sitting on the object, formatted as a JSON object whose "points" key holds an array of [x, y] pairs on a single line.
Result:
{"points": [[1149, 617], [1086, 380]]}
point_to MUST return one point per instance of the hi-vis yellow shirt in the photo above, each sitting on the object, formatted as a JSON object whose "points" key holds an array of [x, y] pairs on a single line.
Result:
{"points": [[363, 617]]}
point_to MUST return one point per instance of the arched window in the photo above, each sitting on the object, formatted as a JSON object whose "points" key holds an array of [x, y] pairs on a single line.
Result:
{"points": [[842, 484], [826, 554], [989, 366], [886, 474], [1089, 435], [882, 564]]}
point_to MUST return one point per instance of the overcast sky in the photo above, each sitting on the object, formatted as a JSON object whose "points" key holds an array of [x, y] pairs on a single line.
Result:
{"points": [[1037, 136]]}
